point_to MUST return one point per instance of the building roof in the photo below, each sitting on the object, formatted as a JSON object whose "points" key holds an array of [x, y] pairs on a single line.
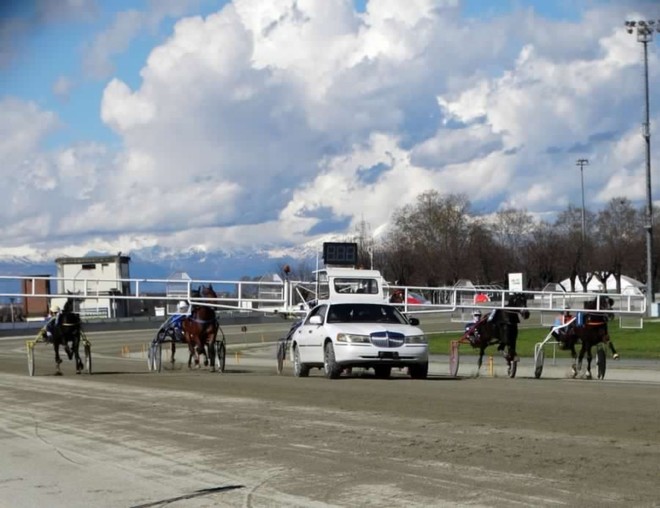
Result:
{"points": [[176, 276], [92, 259]]}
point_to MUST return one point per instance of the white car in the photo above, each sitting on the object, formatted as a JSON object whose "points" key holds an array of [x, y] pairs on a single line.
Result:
{"points": [[337, 336]]}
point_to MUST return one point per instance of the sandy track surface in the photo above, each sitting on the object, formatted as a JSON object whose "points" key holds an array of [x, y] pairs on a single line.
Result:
{"points": [[250, 438]]}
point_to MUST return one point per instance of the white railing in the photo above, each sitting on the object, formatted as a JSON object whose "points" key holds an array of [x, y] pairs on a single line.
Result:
{"points": [[292, 296]]}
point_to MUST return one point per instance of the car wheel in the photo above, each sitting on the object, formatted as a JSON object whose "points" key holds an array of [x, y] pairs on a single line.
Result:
{"points": [[382, 371], [418, 370], [299, 368], [332, 370]]}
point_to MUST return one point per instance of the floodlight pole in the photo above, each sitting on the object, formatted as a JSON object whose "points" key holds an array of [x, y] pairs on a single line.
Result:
{"points": [[582, 163], [644, 31]]}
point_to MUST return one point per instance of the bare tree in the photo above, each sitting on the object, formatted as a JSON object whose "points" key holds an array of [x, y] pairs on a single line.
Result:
{"points": [[540, 256], [619, 240], [436, 229], [365, 243], [513, 230]]}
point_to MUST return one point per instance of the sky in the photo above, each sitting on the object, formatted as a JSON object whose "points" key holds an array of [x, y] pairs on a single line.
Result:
{"points": [[205, 126]]}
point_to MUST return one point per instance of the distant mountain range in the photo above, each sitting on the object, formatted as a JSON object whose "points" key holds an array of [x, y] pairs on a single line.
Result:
{"points": [[159, 264]]}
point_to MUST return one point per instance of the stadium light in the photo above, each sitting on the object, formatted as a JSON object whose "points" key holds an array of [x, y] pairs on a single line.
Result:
{"points": [[582, 163], [644, 31]]}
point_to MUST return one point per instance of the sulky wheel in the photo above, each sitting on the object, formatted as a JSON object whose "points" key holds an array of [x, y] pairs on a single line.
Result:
{"points": [[155, 357], [220, 357], [158, 357], [30, 358], [539, 357], [601, 360], [150, 357], [454, 358]]}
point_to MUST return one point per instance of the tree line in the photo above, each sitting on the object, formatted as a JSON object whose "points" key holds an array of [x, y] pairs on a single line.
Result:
{"points": [[439, 239]]}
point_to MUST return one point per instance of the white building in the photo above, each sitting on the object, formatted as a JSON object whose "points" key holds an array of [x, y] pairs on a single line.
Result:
{"points": [[95, 276]]}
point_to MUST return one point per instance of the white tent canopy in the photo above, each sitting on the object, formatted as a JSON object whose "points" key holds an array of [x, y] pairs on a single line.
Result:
{"points": [[594, 285]]}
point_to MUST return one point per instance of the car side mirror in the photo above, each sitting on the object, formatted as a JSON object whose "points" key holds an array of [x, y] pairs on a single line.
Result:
{"points": [[413, 321], [315, 320]]}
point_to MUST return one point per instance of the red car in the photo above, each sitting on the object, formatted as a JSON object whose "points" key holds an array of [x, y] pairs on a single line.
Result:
{"points": [[416, 298]]}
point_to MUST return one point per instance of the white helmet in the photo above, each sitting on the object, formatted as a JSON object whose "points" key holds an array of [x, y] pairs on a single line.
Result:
{"points": [[182, 305], [55, 309]]}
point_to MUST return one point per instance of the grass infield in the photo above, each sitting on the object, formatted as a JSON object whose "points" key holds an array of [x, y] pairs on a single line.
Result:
{"points": [[629, 343]]}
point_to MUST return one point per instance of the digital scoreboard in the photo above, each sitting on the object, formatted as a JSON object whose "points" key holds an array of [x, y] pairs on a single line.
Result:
{"points": [[340, 253]]}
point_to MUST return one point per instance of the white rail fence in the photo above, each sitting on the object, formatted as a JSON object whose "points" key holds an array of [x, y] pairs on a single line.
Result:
{"points": [[101, 296]]}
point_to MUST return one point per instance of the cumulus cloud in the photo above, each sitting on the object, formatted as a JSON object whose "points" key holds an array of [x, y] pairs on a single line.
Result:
{"points": [[125, 27], [275, 121]]}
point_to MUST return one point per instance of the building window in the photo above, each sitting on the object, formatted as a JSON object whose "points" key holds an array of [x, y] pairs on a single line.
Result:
{"points": [[89, 266]]}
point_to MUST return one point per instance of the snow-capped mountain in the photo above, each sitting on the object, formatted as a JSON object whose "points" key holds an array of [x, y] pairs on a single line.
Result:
{"points": [[157, 263]]}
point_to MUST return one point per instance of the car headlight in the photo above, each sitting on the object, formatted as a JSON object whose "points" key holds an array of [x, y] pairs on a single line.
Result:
{"points": [[416, 339], [353, 338]]}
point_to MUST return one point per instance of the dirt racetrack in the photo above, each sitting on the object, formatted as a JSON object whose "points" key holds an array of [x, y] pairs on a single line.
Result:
{"points": [[126, 437]]}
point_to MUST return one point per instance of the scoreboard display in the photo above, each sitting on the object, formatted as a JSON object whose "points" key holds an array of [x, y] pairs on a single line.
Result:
{"points": [[340, 253]]}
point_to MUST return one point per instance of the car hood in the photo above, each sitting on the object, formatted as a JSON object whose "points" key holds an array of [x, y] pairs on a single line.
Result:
{"points": [[369, 328]]}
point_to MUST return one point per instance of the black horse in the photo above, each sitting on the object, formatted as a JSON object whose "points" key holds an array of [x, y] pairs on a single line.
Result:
{"points": [[500, 327], [64, 329]]}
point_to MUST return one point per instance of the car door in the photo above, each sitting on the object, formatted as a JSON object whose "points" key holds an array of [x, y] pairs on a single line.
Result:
{"points": [[311, 334]]}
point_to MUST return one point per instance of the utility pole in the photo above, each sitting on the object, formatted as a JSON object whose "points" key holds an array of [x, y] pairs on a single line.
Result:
{"points": [[644, 31], [582, 163]]}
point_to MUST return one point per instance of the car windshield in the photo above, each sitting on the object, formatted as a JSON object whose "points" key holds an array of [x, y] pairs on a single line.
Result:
{"points": [[364, 313]]}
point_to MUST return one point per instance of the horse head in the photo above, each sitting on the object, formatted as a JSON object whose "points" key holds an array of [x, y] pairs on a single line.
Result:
{"points": [[207, 291], [518, 300], [69, 306], [601, 302]]}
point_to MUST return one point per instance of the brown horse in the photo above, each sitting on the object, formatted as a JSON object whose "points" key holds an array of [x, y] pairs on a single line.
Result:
{"points": [[200, 330], [590, 328]]}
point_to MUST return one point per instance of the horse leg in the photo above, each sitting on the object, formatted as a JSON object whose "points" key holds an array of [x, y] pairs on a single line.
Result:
{"points": [[586, 350], [580, 358], [58, 360], [481, 359], [198, 362], [212, 353], [589, 358], [574, 369], [610, 344], [201, 350], [67, 350], [191, 354], [76, 354]]}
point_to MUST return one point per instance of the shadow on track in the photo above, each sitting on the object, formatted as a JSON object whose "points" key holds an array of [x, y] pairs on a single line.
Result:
{"points": [[197, 493]]}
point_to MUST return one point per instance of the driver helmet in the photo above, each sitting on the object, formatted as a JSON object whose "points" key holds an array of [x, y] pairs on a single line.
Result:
{"points": [[476, 314], [55, 309], [182, 306]]}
